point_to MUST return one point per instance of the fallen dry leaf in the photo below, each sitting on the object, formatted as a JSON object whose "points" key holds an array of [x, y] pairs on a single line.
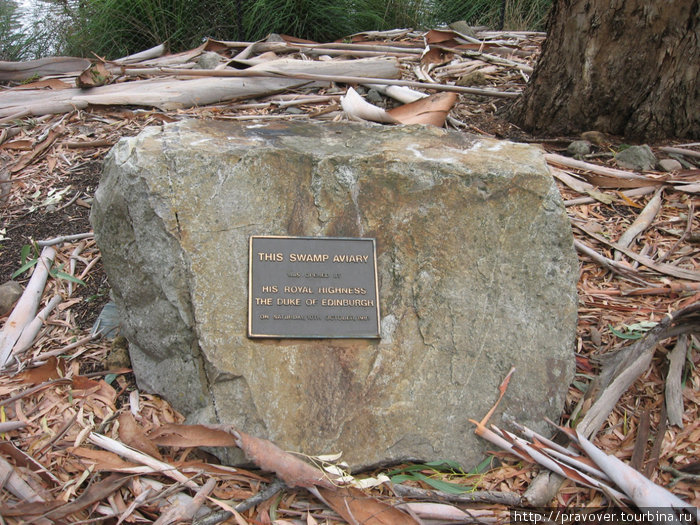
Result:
{"points": [[46, 372], [49, 83], [133, 435], [357, 508], [191, 436], [103, 459], [289, 468], [93, 76]]}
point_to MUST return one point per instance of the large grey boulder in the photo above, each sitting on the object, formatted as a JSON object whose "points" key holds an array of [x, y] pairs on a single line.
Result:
{"points": [[476, 268]]}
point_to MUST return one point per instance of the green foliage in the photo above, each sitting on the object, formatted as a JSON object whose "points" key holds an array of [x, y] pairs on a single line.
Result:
{"points": [[32, 250], [419, 472], [518, 14], [633, 331], [21, 43], [24, 259], [328, 20], [10, 35], [115, 28]]}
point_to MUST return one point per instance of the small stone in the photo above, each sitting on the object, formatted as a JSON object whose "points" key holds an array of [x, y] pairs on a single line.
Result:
{"points": [[475, 78], [9, 293], [209, 60], [638, 158], [579, 148], [595, 137], [670, 165], [374, 97], [119, 354], [293, 110]]}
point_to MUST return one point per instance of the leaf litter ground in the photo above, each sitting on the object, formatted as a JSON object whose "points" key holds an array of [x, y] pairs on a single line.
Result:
{"points": [[69, 402]]}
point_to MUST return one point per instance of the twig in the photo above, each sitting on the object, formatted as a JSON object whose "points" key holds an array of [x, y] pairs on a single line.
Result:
{"points": [[680, 476], [219, 516], [65, 238], [480, 496], [34, 389], [9, 426], [71, 264], [668, 269], [686, 233], [71, 346], [611, 265], [568, 162], [71, 201], [681, 151]]}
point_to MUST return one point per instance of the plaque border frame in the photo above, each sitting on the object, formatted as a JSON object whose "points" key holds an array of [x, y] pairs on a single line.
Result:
{"points": [[251, 335]]}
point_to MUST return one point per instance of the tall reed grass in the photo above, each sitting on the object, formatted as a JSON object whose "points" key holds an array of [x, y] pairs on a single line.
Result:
{"points": [[114, 28], [498, 14], [22, 41]]}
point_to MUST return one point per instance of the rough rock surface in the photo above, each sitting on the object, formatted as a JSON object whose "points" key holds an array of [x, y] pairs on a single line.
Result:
{"points": [[10, 292], [639, 158], [669, 165], [476, 268], [578, 148]]}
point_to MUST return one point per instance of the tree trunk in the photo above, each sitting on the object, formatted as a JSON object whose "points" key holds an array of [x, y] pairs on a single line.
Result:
{"points": [[624, 67]]}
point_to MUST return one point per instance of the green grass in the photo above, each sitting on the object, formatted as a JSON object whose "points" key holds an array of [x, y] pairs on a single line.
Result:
{"points": [[115, 28], [17, 43], [519, 14]]}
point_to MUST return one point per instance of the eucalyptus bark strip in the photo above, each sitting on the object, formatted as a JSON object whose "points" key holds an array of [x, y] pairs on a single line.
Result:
{"points": [[26, 307], [26, 340], [674, 386], [641, 223], [561, 160], [681, 151], [228, 73]]}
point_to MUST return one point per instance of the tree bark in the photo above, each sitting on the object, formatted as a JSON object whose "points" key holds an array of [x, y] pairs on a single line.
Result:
{"points": [[623, 67]]}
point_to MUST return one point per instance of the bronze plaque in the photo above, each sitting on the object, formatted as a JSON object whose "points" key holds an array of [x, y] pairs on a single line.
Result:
{"points": [[312, 287]]}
